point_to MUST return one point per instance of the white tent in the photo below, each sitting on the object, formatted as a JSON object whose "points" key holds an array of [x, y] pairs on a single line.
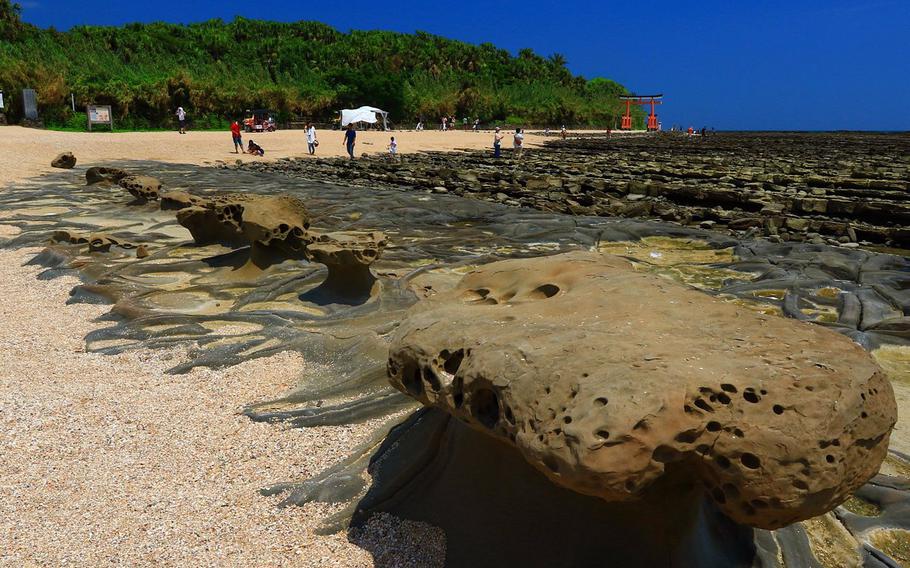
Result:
{"points": [[364, 114]]}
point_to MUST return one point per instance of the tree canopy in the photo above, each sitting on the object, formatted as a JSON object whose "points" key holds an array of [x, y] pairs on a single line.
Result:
{"points": [[217, 69]]}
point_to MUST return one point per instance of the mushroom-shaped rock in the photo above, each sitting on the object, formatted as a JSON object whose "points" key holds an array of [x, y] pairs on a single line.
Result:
{"points": [[66, 161], [97, 242], [102, 175], [276, 227], [143, 188], [348, 256], [612, 381]]}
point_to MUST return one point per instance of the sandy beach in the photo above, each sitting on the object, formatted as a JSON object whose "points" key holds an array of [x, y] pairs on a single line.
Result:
{"points": [[26, 152], [109, 460]]}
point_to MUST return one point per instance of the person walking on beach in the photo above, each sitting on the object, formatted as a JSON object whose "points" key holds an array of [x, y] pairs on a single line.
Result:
{"points": [[393, 150], [563, 132], [518, 143], [444, 120], [476, 124], [311, 141], [181, 119], [238, 139], [497, 143], [350, 138]]}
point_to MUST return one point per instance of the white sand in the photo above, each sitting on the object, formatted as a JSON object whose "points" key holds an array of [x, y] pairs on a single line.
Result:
{"points": [[108, 460], [27, 152]]}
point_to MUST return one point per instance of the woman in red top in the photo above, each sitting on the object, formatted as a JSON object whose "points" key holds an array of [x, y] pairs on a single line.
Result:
{"points": [[238, 141]]}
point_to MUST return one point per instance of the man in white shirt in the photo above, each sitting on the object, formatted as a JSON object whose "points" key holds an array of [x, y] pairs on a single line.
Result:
{"points": [[518, 143], [181, 119], [311, 142]]}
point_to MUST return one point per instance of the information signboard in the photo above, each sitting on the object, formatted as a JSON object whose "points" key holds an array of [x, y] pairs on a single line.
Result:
{"points": [[99, 114], [30, 104]]}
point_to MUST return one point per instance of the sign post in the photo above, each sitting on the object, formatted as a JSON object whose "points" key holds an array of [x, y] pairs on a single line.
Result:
{"points": [[99, 114], [30, 104]]}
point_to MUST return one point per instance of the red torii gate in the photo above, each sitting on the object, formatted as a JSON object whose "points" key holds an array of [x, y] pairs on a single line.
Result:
{"points": [[640, 100]]}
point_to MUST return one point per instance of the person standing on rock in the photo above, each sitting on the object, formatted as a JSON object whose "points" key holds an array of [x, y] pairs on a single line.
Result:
{"points": [[181, 119], [518, 143], [238, 139], [350, 138], [497, 143], [311, 141]]}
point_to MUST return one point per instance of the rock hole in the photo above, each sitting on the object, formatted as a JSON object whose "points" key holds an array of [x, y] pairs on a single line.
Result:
{"points": [[713, 426], [722, 461], [602, 434], [723, 399], [864, 415], [829, 458], [452, 361], [411, 381], [544, 291], [703, 449], [778, 409], [764, 392], [687, 436], [800, 484], [703, 405], [728, 387], [750, 460], [602, 401], [567, 419], [485, 407], [718, 496], [430, 377], [751, 397], [759, 504], [392, 368]]}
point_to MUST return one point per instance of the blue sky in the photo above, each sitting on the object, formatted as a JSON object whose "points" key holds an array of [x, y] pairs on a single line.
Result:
{"points": [[734, 64]]}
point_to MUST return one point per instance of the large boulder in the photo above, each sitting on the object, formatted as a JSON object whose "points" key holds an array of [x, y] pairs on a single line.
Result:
{"points": [[279, 223], [66, 161], [614, 382], [143, 188]]}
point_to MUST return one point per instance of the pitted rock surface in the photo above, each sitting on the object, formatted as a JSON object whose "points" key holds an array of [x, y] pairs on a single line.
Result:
{"points": [[104, 175], [143, 188], [279, 222], [215, 220], [346, 248], [97, 242], [610, 380], [176, 200], [66, 161]]}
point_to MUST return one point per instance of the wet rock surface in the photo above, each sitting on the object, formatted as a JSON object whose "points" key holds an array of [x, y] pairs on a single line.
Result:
{"points": [[65, 161], [827, 188], [181, 296]]}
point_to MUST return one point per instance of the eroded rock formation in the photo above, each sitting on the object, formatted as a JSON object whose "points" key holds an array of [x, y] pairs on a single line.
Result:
{"points": [[66, 161], [97, 242], [613, 382], [213, 220], [276, 228], [102, 175], [348, 256], [143, 188]]}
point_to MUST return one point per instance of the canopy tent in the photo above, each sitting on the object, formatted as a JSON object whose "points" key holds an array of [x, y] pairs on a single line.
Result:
{"points": [[364, 114]]}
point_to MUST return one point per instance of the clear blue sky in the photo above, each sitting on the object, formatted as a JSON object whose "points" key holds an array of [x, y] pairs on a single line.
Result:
{"points": [[732, 64]]}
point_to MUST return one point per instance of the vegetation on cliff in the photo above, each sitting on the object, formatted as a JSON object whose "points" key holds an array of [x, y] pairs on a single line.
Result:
{"points": [[218, 69]]}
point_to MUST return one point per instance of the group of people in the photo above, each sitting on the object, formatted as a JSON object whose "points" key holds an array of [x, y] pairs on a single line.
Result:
{"points": [[451, 123]]}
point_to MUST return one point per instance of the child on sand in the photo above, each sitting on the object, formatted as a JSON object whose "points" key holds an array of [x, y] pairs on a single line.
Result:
{"points": [[255, 149], [235, 134], [393, 150]]}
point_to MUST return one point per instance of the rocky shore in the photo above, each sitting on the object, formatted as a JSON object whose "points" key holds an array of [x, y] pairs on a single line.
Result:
{"points": [[846, 189]]}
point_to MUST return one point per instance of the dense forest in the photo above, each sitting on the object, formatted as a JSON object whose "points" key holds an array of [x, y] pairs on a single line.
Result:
{"points": [[218, 69]]}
